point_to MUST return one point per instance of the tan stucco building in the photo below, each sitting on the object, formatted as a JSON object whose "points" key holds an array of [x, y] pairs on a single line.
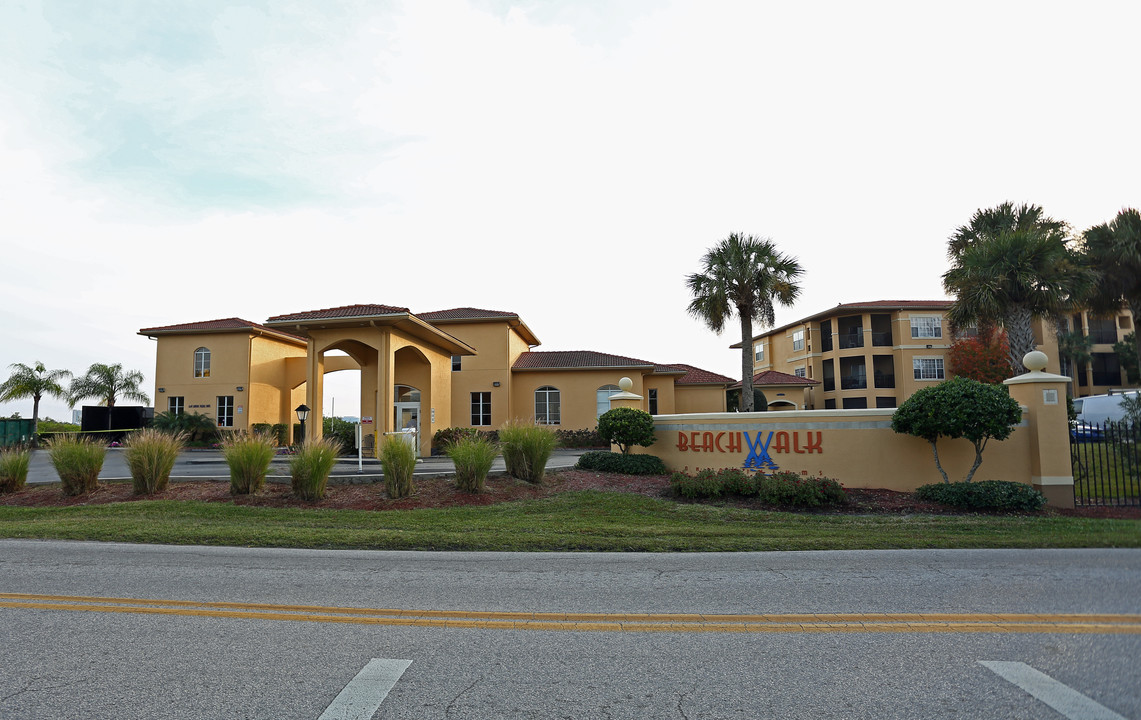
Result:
{"points": [[876, 354], [464, 367]]}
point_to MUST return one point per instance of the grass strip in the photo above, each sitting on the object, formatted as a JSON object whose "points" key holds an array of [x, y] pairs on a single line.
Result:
{"points": [[578, 521]]}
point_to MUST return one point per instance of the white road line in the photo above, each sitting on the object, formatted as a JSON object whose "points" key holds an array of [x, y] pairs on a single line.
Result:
{"points": [[1062, 698], [363, 695]]}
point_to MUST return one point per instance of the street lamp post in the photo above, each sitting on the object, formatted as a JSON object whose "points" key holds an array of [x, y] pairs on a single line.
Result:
{"points": [[302, 415]]}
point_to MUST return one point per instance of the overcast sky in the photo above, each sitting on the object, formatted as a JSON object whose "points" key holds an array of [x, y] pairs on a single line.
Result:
{"points": [[568, 160]]}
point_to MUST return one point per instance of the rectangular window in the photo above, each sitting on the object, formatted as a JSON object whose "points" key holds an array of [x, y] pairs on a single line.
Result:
{"points": [[225, 411], [759, 353], [926, 327], [798, 340], [653, 401], [799, 372], [855, 403], [927, 368], [885, 402], [176, 405], [455, 363], [481, 408]]}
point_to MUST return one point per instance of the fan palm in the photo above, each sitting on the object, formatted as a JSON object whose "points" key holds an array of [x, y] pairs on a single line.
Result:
{"points": [[33, 382], [1009, 266], [1113, 250], [743, 275], [107, 383]]}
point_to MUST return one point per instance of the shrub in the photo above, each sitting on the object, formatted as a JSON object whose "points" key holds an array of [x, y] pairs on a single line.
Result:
{"points": [[705, 484], [580, 438], [626, 427], [473, 457], [78, 461], [398, 459], [985, 495], [248, 456], [14, 469], [958, 408], [446, 437], [198, 428], [343, 431], [606, 461], [151, 455], [526, 449], [309, 469], [791, 490]]}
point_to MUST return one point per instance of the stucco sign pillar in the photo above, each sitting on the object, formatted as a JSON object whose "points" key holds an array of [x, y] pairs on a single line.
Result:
{"points": [[1044, 396], [625, 398]]}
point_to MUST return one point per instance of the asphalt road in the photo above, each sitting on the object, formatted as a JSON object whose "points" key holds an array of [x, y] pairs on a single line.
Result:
{"points": [[102, 630]]}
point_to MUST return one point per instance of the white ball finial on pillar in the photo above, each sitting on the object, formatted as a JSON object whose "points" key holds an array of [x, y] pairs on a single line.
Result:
{"points": [[625, 384], [1035, 361]]}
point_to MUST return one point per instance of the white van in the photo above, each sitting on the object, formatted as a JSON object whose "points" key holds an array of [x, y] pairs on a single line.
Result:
{"points": [[1098, 409]]}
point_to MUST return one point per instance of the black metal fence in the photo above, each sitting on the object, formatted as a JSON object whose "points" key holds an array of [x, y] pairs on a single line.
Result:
{"points": [[1107, 463]]}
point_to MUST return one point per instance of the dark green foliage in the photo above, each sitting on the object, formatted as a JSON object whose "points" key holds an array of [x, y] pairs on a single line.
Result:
{"points": [[446, 437], [958, 408], [197, 428], [579, 438], [343, 431], [785, 489], [984, 495], [605, 461], [626, 427]]}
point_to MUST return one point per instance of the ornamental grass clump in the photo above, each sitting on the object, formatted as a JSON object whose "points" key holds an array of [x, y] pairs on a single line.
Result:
{"points": [[150, 456], [309, 469], [398, 459], [472, 457], [526, 449], [78, 461], [14, 469], [248, 456]]}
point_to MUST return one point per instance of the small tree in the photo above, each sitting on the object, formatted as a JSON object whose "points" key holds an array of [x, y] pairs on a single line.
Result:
{"points": [[626, 427], [984, 357], [958, 408]]}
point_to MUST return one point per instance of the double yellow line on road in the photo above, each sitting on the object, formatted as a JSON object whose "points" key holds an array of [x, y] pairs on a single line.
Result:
{"points": [[600, 622]]}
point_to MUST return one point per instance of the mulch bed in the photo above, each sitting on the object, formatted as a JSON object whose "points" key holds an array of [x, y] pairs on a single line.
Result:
{"points": [[441, 492]]}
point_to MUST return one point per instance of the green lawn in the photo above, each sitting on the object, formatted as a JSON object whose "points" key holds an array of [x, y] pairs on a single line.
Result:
{"points": [[597, 521]]}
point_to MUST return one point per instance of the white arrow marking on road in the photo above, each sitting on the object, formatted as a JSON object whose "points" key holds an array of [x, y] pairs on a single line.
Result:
{"points": [[364, 693], [1062, 698]]}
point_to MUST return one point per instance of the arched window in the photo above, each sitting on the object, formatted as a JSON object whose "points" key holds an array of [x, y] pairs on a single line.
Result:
{"points": [[603, 398], [202, 363], [547, 405]]}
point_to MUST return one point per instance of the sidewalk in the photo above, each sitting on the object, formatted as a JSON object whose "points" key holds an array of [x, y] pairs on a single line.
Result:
{"points": [[210, 465]]}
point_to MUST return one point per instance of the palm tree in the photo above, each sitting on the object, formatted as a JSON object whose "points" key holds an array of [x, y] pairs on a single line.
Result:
{"points": [[33, 382], [743, 275], [107, 383], [1113, 250], [1010, 265]]}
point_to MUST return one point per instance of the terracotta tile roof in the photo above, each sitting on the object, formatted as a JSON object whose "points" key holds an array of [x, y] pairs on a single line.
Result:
{"points": [[345, 311], [697, 376], [206, 326], [569, 359], [843, 308], [772, 377], [465, 313]]}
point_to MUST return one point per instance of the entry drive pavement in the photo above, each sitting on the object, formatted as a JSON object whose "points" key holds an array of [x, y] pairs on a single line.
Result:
{"points": [[210, 465]]}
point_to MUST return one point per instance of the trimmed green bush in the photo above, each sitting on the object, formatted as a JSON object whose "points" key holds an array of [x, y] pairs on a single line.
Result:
{"points": [[985, 495], [398, 459], [786, 489], [78, 461], [577, 439], [343, 431], [626, 427], [526, 449], [151, 455], [473, 457], [248, 456], [14, 469], [309, 469], [444, 438], [605, 461]]}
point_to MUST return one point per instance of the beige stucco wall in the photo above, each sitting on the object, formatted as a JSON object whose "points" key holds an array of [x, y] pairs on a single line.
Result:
{"points": [[696, 398], [577, 393], [498, 346], [229, 370], [856, 447]]}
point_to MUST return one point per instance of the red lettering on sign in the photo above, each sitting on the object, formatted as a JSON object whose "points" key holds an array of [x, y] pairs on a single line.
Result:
{"points": [[814, 446], [735, 442], [693, 443], [780, 442], [707, 442], [717, 442], [682, 442]]}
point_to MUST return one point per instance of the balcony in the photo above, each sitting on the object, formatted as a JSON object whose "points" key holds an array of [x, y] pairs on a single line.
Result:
{"points": [[884, 380], [1106, 378], [1103, 337], [851, 340], [853, 382]]}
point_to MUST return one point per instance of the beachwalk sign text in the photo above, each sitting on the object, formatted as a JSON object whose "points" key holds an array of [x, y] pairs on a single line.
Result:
{"points": [[761, 447]]}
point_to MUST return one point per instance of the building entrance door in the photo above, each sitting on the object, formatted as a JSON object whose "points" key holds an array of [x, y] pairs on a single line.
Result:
{"points": [[406, 409]]}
